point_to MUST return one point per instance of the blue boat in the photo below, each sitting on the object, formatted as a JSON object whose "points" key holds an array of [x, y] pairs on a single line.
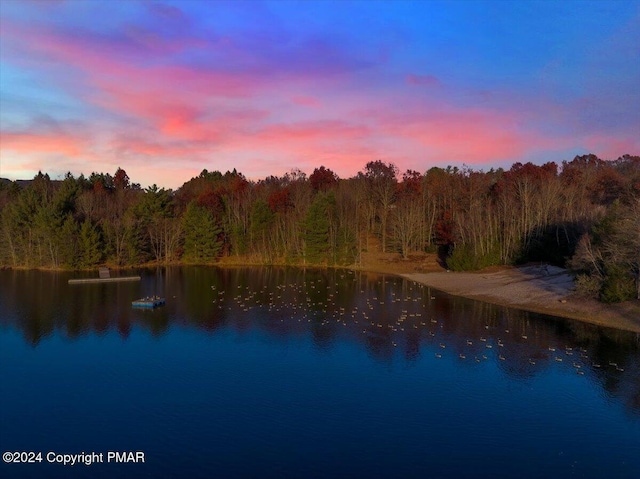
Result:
{"points": [[149, 302]]}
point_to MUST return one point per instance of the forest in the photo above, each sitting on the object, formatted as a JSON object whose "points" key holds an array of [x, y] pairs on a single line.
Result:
{"points": [[583, 214]]}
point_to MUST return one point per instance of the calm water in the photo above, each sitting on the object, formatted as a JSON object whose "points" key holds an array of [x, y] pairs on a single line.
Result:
{"points": [[274, 372]]}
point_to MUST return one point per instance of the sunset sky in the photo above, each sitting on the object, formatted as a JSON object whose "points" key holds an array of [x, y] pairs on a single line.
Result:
{"points": [[167, 89]]}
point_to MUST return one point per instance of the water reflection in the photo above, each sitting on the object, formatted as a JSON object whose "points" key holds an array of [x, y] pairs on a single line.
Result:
{"points": [[393, 318]]}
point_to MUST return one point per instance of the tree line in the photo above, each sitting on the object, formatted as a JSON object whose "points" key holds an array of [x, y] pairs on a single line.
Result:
{"points": [[584, 213]]}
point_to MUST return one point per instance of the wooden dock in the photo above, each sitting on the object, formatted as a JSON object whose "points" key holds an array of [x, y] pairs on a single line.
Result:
{"points": [[104, 280], [104, 277]]}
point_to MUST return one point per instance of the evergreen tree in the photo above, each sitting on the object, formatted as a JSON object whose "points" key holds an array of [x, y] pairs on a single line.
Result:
{"points": [[262, 220], [316, 228], [20, 232], [68, 243], [156, 229], [89, 246], [9, 230], [202, 242]]}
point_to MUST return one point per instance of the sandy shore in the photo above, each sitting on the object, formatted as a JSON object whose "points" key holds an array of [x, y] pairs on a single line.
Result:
{"points": [[542, 289]]}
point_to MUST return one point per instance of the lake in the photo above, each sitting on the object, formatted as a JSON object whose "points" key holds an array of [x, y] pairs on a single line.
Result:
{"points": [[305, 373]]}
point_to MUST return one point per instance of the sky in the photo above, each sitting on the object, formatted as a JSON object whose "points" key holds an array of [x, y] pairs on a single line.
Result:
{"points": [[166, 89]]}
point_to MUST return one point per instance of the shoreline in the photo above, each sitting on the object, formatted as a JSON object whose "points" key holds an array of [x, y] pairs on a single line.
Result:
{"points": [[539, 289], [543, 289]]}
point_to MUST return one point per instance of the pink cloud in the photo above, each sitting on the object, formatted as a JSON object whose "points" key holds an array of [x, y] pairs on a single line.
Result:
{"points": [[29, 142], [434, 130]]}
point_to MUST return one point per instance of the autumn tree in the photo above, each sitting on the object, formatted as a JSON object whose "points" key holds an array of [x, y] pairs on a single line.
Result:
{"points": [[121, 180], [608, 257], [323, 179], [237, 198], [381, 181], [408, 216]]}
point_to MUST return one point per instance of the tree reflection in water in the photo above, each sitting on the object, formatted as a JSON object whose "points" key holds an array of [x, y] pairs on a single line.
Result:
{"points": [[396, 320]]}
